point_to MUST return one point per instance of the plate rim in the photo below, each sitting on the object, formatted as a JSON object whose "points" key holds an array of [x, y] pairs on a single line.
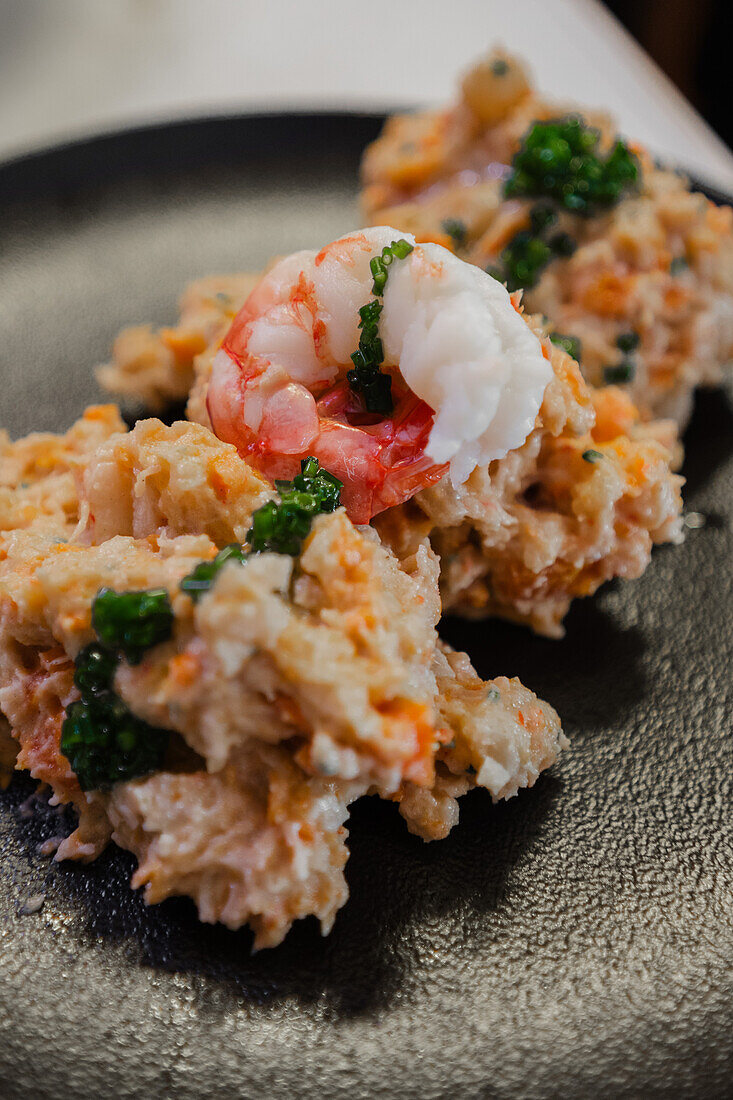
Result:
{"points": [[47, 189], [94, 143]]}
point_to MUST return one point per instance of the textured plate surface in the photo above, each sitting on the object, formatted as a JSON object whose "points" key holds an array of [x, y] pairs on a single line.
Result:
{"points": [[576, 940]]}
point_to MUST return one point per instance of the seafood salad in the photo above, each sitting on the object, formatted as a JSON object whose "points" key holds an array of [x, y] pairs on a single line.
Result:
{"points": [[217, 634], [211, 669], [631, 268]]}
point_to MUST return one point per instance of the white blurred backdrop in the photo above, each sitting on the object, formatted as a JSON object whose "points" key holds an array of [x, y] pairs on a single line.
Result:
{"points": [[69, 68]]}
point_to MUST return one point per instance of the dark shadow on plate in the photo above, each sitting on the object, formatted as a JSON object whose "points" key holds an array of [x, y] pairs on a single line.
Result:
{"points": [[165, 152], [578, 674], [397, 883], [169, 415], [709, 438]]}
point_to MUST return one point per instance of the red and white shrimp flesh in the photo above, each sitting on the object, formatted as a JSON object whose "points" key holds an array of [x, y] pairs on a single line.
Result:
{"points": [[468, 374]]}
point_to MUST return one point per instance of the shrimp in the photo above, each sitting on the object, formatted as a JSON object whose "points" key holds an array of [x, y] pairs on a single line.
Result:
{"points": [[467, 373]]}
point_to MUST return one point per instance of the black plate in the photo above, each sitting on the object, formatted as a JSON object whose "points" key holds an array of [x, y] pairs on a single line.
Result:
{"points": [[576, 940]]}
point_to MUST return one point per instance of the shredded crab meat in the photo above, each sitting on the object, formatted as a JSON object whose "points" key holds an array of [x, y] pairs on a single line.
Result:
{"points": [[290, 689]]}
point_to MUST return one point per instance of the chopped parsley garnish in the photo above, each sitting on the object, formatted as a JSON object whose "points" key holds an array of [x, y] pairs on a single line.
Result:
{"points": [[312, 479], [678, 265], [620, 373], [562, 244], [132, 621], [366, 378], [570, 344], [281, 526], [456, 230], [560, 159], [559, 162], [523, 260], [200, 579], [94, 669], [541, 217], [529, 252], [398, 250], [105, 743], [628, 341], [592, 456], [499, 67], [278, 526]]}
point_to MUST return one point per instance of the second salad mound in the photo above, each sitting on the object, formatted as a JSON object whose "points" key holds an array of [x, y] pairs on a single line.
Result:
{"points": [[632, 269]]}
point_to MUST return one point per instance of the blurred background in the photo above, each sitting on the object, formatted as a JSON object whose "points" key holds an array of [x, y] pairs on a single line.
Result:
{"points": [[687, 40], [69, 68]]}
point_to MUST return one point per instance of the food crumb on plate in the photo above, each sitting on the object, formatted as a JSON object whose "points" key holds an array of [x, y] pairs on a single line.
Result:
{"points": [[32, 905]]}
